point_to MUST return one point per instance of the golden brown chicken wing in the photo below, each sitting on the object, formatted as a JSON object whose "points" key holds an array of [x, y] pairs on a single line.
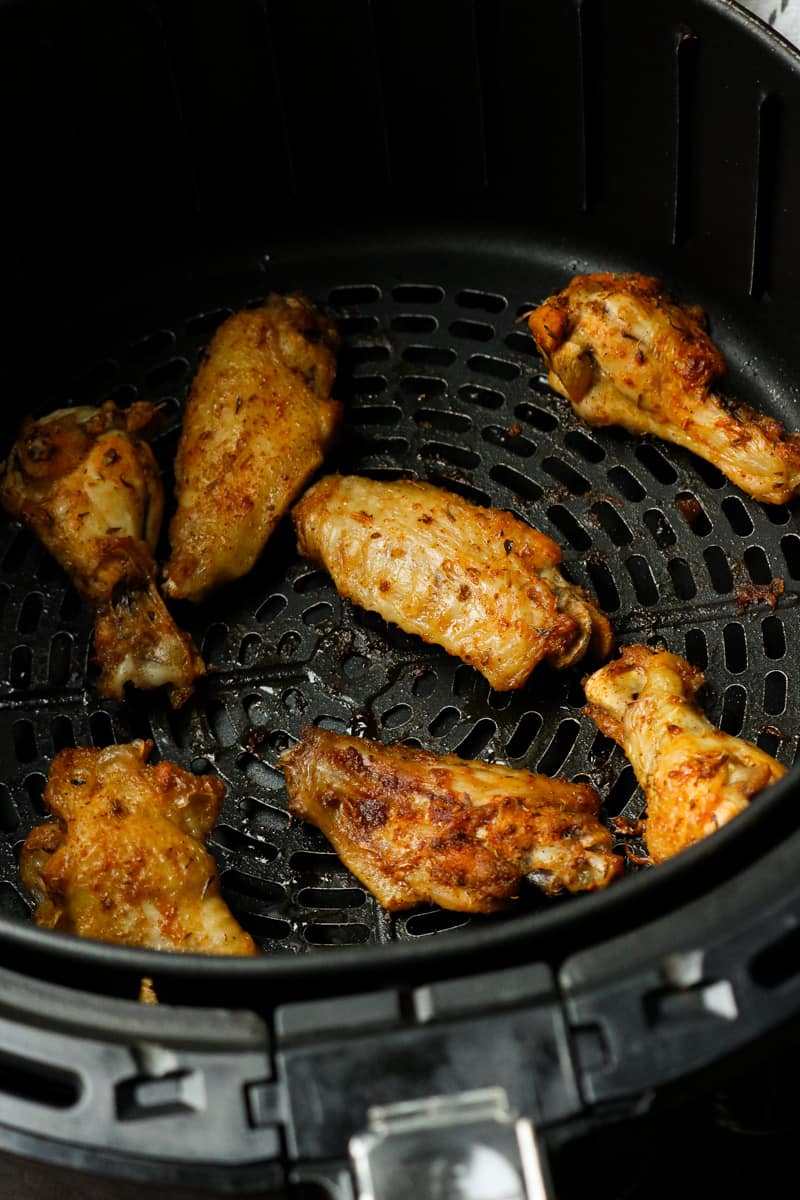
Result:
{"points": [[624, 354], [477, 581], [87, 484], [258, 421], [415, 826], [124, 861], [694, 776]]}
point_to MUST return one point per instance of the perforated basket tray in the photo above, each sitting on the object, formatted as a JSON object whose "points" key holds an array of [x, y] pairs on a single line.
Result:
{"points": [[441, 382]]}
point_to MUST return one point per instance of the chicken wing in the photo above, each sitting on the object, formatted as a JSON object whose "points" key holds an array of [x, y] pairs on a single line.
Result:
{"points": [[624, 354], [124, 861], [415, 826], [477, 581], [87, 484], [694, 776], [258, 421]]}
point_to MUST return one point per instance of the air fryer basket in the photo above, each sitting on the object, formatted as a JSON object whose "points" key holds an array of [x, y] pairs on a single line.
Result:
{"points": [[429, 190]]}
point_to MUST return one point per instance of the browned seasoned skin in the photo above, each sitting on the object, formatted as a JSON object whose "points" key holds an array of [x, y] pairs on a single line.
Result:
{"points": [[477, 581], [124, 860], [625, 354], [258, 421], [87, 484], [419, 827], [695, 777]]}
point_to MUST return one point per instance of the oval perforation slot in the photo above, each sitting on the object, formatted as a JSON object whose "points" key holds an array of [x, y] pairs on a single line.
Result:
{"points": [[515, 481], [318, 614], [626, 484], [333, 898], [586, 447], [457, 456], [770, 741], [272, 607], [737, 516], [711, 476], [264, 822], [418, 293], [445, 419], [642, 579], [563, 473], [654, 462], [719, 569], [683, 583], [424, 682], [9, 817], [265, 892], [423, 386], [257, 772], [430, 356], [611, 522], [775, 692], [521, 343], [622, 791], [446, 719], [525, 734], [397, 715], [319, 863], [62, 733], [539, 418], [354, 294], [790, 548], [354, 325], [659, 527], [734, 705], [323, 934], [374, 414], [757, 564], [414, 323], [497, 368], [693, 513], [394, 447], [348, 386], [696, 645], [215, 643], [474, 331], [560, 747], [23, 737], [34, 785], [774, 637], [250, 650], [360, 353], [30, 613], [735, 648], [476, 741], [222, 726], [20, 667], [488, 301], [166, 375], [569, 527], [485, 397], [603, 585], [777, 514], [509, 439]]}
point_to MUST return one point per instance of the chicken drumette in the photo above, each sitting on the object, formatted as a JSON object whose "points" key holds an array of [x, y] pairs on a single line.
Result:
{"points": [[415, 826], [124, 861], [258, 421], [695, 777], [625, 354], [86, 482], [477, 581]]}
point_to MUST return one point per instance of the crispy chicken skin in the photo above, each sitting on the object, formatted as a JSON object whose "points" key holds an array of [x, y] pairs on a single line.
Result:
{"points": [[419, 827], [624, 354], [87, 484], [258, 421], [477, 581], [124, 861], [694, 776]]}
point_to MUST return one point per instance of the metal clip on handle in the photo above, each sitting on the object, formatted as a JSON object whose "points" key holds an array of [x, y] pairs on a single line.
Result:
{"points": [[469, 1146]]}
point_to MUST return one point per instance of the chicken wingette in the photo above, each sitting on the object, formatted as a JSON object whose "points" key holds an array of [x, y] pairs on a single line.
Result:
{"points": [[625, 354], [87, 484], [124, 860], [695, 777], [258, 421], [419, 827], [477, 581]]}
